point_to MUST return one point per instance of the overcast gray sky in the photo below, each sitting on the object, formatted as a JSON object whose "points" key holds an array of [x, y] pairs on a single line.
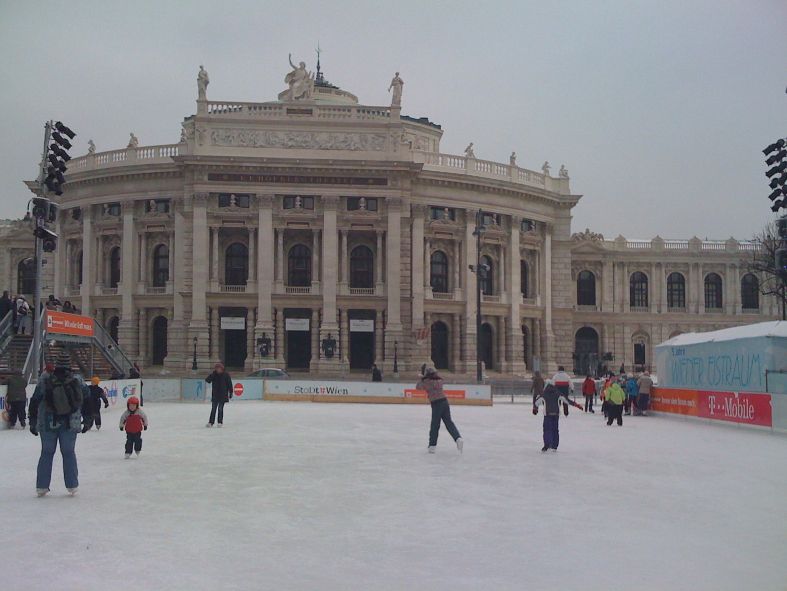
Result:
{"points": [[659, 109]]}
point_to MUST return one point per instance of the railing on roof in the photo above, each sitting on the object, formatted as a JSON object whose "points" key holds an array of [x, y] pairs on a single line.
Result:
{"points": [[296, 111], [485, 168], [126, 157]]}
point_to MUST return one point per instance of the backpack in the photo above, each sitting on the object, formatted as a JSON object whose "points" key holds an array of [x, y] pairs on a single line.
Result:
{"points": [[63, 397]]}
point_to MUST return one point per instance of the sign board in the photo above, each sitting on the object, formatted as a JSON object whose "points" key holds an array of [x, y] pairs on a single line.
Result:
{"points": [[297, 324], [748, 408], [71, 324], [118, 391], [358, 325], [233, 323], [197, 390], [237, 389], [329, 391]]}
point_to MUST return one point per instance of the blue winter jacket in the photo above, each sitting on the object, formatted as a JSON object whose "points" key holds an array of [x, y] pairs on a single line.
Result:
{"points": [[632, 389]]}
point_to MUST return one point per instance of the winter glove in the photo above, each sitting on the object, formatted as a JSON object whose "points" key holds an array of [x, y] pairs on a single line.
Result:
{"points": [[121, 428], [565, 410], [535, 410], [106, 405], [34, 429]]}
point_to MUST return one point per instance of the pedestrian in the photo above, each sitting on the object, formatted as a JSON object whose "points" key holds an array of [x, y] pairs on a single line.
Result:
{"points": [[537, 388], [52, 303], [644, 386], [632, 391], [6, 305], [562, 382], [604, 390], [615, 399], [432, 384], [377, 375], [221, 392], [589, 392], [16, 398], [91, 407], [550, 399], [24, 317], [68, 307], [55, 415], [134, 421]]}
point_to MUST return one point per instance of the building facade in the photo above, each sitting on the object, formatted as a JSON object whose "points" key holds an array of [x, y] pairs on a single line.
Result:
{"points": [[315, 218]]}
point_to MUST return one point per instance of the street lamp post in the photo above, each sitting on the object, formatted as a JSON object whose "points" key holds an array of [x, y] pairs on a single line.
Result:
{"points": [[480, 273], [194, 359], [396, 358]]}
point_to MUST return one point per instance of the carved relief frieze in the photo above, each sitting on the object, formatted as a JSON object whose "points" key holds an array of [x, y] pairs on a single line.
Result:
{"points": [[304, 140]]}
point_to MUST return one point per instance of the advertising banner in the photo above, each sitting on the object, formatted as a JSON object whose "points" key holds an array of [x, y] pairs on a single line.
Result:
{"points": [[71, 324], [118, 391], [748, 408], [330, 391], [675, 401], [198, 390]]}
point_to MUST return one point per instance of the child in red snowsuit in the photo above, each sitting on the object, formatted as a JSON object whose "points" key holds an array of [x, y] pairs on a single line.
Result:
{"points": [[134, 421]]}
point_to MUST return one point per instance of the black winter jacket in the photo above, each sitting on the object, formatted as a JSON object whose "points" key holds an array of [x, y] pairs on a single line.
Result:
{"points": [[221, 386]]}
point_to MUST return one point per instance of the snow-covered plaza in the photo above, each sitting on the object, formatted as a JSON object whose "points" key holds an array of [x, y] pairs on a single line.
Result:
{"points": [[342, 496]]}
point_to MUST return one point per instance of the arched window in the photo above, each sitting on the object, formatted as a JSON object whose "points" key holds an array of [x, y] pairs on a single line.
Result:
{"points": [[236, 264], [638, 290], [438, 277], [26, 276], [750, 292], [586, 351], [713, 297], [299, 269], [160, 265], [586, 289], [676, 291], [524, 278], [113, 325], [114, 267], [361, 267], [159, 336], [487, 278]]}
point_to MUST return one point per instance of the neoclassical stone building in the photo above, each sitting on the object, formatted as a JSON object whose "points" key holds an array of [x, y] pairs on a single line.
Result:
{"points": [[315, 216]]}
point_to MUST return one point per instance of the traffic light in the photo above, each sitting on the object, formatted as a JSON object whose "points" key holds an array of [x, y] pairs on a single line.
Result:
{"points": [[57, 156], [40, 207], [48, 238]]}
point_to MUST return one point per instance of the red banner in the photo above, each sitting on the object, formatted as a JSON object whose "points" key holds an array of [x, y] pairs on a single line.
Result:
{"points": [[73, 324], [672, 400], [737, 407], [452, 394]]}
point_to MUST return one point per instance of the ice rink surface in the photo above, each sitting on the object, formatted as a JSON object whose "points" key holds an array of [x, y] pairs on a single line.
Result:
{"points": [[343, 496]]}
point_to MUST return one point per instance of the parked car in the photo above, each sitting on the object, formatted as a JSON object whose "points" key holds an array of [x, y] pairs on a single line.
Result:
{"points": [[270, 373]]}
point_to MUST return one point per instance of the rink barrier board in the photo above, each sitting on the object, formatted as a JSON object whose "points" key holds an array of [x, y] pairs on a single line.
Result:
{"points": [[366, 399]]}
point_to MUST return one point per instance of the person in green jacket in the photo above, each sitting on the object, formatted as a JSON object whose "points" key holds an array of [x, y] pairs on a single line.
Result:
{"points": [[615, 397]]}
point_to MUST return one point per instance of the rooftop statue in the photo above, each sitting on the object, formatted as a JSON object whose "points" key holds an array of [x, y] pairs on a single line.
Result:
{"points": [[512, 159], [300, 80], [469, 151], [397, 84], [563, 172], [91, 147], [202, 84], [133, 142], [545, 168]]}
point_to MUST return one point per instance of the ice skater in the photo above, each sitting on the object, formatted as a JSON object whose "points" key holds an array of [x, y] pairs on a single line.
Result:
{"points": [[134, 421], [551, 400], [589, 392], [615, 399], [432, 384], [91, 407], [644, 385], [16, 398], [562, 381], [220, 394]]}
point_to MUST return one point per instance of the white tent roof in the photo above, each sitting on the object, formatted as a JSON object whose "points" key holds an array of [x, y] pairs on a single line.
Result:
{"points": [[777, 328]]}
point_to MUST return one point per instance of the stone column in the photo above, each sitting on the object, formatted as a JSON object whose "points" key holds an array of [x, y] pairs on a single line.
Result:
{"points": [[264, 271], [176, 347], [315, 338], [143, 258], [393, 249], [418, 268], [502, 274], [200, 238], [378, 337], [252, 280], [328, 286], [548, 336], [700, 285], [537, 346], [344, 337], [171, 261], [727, 298], [215, 258], [143, 337], [455, 343], [215, 333], [515, 357], [128, 336], [280, 260], [345, 259], [607, 293], [457, 264], [316, 260], [378, 266], [100, 271], [88, 269], [469, 344], [278, 340]]}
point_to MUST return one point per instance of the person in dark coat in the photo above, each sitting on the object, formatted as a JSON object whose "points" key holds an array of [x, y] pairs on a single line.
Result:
{"points": [[551, 399], [221, 392], [377, 375], [91, 406], [16, 398], [6, 305]]}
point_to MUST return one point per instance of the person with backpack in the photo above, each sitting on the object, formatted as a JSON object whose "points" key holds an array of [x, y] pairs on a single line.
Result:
{"points": [[134, 421], [432, 384], [221, 392], [91, 407], [55, 415]]}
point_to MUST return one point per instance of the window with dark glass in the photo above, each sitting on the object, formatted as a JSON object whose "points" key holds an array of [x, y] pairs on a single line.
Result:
{"points": [[299, 266], [639, 354], [487, 278], [676, 291], [354, 203], [524, 278], [114, 267], [26, 276], [527, 226], [158, 206], [490, 219], [79, 269], [291, 202], [438, 277], [443, 213], [361, 267], [638, 290], [750, 292], [113, 209], [160, 265], [236, 264], [586, 289], [234, 200], [713, 295]]}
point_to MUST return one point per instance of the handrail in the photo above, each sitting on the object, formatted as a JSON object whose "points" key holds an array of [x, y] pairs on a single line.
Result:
{"points": [[30, 369], [6, 331], [114, 353]]}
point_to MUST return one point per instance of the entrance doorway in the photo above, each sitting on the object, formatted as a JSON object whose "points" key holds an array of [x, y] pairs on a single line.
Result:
{"points": [[159, 340], [440, 345], [585, 351], [297, 327], [361, 340], [233, 336], [487, 344]]}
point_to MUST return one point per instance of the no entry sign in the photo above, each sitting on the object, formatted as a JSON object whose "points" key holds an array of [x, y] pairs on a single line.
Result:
{"points": [[238, 389]]}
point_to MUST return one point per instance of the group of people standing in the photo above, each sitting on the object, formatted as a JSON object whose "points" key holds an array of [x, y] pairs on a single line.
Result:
{"points": [[22, 312]]}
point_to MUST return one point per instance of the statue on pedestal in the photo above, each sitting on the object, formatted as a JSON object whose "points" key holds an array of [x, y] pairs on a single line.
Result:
{"points": [[397, 84], [133, 142], [469, 153], [512, 159], [182, 135], [301, 81], [202, 84], [91, 147], [563, 172], [545, 168]]}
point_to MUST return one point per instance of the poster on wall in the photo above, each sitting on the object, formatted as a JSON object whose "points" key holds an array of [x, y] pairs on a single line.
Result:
{"points": [[233, 323], [360, 325], [297, 324]]}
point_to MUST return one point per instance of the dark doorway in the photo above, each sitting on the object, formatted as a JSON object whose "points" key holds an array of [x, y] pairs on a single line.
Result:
{"points": [[298, 340], [234, 347], [159, 349], [639, 356], [361, 339], [585, 351], [487, 344], [440, 345], [114, 324]]}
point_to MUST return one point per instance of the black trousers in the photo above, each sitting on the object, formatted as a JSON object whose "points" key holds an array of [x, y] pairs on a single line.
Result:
{"points": [[133, 441], [615, 412], [16, 410], [588, 402], [441, 411], [89, 420], [213, 406]]}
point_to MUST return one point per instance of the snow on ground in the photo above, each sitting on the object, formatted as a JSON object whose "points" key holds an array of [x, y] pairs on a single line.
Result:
{"points": [[342, 496]]}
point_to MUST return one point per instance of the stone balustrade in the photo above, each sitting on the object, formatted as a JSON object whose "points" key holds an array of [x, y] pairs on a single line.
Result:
{"points": [[223, 109], [126, 157]]}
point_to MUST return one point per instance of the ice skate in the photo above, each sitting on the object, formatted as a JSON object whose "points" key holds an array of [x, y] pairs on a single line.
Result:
{"points": [[128, 456], [460, 443], [554, 449], [72, 491], [137, 452], [432, 449], [545, 448], [220, 425], [41, 491], [98, 427], [209, 425]]}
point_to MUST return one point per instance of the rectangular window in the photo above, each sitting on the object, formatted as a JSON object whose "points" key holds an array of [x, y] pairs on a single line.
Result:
{"points": [[234, 200], [113, 209], [443, 213], [490, 219], [639, 354], [158, 206], [528, 226], [361, 203], [298, 202]]}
